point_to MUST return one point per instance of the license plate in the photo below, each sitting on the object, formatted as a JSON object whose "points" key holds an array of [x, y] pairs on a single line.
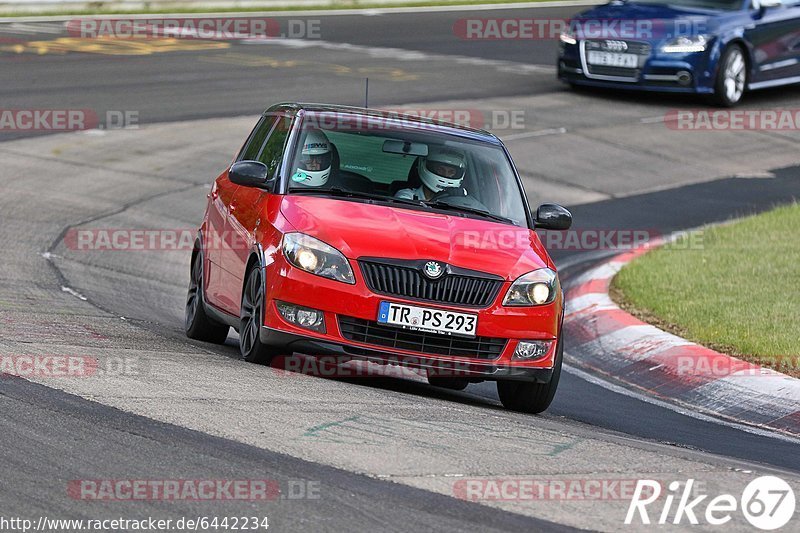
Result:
{"points": [[610, 59], [425, 319]]}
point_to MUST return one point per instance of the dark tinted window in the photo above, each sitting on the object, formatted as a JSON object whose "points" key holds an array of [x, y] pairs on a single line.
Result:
{"points": [[272, 153], [257, 139]]}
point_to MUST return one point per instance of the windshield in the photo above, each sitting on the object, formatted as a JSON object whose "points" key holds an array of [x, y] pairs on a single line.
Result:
{"points": [[725, 5], [406, 165]]}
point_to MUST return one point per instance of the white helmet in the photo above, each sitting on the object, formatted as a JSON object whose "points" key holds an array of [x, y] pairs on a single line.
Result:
{"points": [[314, 164], [442, 168]]}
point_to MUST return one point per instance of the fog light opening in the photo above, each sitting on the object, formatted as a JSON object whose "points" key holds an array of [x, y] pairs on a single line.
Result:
{"points": [[305, 317], [684, 77], [532, 350]]}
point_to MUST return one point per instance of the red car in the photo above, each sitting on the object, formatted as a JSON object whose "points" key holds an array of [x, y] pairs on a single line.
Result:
{"points": [[366, 235]]}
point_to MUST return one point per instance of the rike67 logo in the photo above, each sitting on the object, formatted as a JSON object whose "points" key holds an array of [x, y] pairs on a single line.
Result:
{"points": [[767, 503]]}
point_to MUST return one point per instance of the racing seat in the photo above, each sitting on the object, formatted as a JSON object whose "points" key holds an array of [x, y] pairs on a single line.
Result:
{"points": [[413, 181], [349, 181]]}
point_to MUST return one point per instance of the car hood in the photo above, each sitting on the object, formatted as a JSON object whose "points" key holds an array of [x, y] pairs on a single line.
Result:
{"points": [[360, 229], [665, 20]]}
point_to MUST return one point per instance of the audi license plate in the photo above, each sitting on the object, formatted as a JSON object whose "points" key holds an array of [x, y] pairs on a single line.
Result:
{"points": [[425, 319], [610, 59]]}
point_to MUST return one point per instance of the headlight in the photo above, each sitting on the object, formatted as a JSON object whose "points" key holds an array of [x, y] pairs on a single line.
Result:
{"points": [[539, 287], [312, 255], [686, 45], [567, 37]]}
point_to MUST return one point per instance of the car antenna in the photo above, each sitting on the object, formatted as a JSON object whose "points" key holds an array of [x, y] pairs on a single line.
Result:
{"points": [[366, 93]]}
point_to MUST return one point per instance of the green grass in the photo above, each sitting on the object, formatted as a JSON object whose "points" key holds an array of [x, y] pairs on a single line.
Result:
{"points": [[334, 4], [737, 290]]}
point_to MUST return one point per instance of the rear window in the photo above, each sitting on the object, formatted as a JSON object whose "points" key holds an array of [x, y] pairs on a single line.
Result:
{"points": [[364, 155]]}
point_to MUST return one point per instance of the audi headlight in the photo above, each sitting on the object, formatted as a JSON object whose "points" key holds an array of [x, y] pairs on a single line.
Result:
{"points": [[568, 37], [539, 287], [686, 45], [312, 255]]}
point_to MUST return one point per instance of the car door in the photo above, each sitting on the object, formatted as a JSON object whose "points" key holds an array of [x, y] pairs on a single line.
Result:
{"points": [[220, 197], [249, 203], [775, 36], [220, 290]]}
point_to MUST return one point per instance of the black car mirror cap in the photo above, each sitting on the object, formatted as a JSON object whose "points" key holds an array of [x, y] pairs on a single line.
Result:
{"points": [[553, 217], [249, 174]]}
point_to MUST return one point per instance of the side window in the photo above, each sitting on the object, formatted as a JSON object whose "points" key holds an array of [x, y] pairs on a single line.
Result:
{"points": [[257, 139], [272, 152]]}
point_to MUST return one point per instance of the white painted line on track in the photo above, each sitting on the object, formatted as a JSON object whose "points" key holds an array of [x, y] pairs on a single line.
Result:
{"points": [[755, 175], [403, 54], [538, 133], [74, 293], [595, 380], [22, 28]]}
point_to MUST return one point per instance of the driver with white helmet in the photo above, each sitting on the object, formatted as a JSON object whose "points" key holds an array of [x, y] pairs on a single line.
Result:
{"points": [[314, 163], [443, 168]]}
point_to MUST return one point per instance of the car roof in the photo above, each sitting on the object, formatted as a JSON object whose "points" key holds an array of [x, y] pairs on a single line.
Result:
{"points": [[440, 126]]}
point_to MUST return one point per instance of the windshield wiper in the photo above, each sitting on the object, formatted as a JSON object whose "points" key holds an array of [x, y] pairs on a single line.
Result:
{"points": [[346, 193], [472, 210]]}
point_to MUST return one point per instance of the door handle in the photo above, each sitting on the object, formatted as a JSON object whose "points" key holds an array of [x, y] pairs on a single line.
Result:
{"points": [[232, 208]]}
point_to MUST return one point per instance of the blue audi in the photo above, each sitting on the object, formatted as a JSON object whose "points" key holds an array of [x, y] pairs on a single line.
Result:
{"points": [[719, 48]]}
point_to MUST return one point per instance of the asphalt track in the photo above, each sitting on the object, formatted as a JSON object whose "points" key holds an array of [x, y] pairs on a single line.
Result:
{"points": [[386, 452]]}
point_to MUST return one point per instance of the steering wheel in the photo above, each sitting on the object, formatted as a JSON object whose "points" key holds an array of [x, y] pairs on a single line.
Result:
{"points": [[457, 197], [448, 192]]}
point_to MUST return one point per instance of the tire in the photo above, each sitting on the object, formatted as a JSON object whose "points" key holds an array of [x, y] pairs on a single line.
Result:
{"points": [[251, 320], [731, 77], [448, 383], [531, 397], [197, 323]]}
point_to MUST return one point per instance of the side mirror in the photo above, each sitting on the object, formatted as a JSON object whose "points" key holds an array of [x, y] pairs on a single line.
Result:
{"points": [[248, 174], [552, 216], [769, 4]]}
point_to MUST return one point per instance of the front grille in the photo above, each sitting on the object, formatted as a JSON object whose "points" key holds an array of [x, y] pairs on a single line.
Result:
{"points": [[405, 279], [631, 47], [642, 50], [368, 332]]}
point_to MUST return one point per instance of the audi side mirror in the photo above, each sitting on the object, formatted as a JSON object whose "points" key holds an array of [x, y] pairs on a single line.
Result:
{"points": [[552, 216]]}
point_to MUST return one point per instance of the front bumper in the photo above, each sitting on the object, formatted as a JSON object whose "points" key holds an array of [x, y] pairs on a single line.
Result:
{"points": [[286, 283], [439, 366], [656, 71]]}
